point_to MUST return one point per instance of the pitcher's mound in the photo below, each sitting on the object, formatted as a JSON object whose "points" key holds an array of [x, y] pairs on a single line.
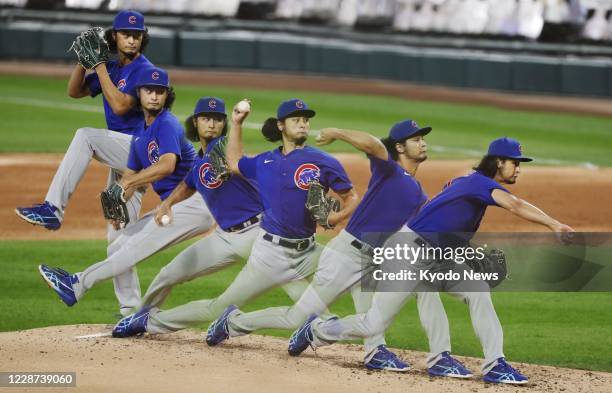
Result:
{"points": [[182, 362]]}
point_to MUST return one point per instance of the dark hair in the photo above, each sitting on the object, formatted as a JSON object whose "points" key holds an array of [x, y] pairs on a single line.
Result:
{"points": [[169, 100], [390, 145], [488, 165], [112, 44], [191, 131], [270, 130]]}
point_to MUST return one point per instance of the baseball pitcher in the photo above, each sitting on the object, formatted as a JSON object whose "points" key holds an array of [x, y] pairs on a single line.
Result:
{"points": [[159, 155], [115, 80]]}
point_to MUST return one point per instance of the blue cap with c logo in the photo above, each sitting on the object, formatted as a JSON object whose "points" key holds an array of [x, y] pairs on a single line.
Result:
{"points": [[407, 129], [210, 105], [129, 20], [153, 76], [293, 107], [507, 148]]}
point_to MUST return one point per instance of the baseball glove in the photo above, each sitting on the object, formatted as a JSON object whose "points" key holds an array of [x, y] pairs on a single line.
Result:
{"points": [[114, 204], [218, 162], [320, 205], [493, 262], [91, 48]]}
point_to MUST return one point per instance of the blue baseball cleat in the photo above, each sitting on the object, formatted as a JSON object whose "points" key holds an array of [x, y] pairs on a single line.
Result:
{"points": [[384, 359], [132, 325], [40, 214], [302, 338], [448, 366], [218, 331], [505, 373], [61, 282]]}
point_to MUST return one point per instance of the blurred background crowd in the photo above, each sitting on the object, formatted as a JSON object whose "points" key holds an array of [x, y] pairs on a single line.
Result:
{"points": [[542, 20]]}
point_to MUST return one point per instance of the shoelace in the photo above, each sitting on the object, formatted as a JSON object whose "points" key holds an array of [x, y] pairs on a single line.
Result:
{"points": [[507, 368], [61, 271], [72, 278], [134, 319], [455, 362], [390, 355], [42, 206], [309, 337], [218, 323]]}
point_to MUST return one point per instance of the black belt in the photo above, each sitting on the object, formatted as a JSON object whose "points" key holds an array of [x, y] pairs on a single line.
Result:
{"points": [[363, 247], [298, 244], [242, 225]]}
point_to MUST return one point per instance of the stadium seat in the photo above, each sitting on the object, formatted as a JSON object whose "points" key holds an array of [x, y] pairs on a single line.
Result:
{"points": [[502, 18], [14, 3], [530, 18], [84, 4], [288, 9], [402, 18], [596, 26], [347, 13], [422, 15], [476, 15]]}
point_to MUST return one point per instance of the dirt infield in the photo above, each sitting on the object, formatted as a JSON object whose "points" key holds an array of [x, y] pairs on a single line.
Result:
{"points": [[581, 197], [182, 362]]}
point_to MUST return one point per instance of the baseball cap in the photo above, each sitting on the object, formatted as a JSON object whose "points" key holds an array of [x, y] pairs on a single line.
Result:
{"points": [[129, 20], [407, 129], [153, 76], [210, 105], [508, 148], [293, 107]]}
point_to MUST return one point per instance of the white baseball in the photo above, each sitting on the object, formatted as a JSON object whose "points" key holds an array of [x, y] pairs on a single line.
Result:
{"points": [[244, 106], [165, 220]]}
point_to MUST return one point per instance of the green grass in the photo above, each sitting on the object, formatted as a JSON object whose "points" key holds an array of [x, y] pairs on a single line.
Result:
{"points": [[29, 127], [562, 329]]}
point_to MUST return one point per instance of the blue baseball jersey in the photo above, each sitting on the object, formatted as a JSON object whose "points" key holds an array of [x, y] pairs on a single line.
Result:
{"points": [[125, 80], [283, 185], [231, 202], [458, 208], [164, 135], [392, 199]]}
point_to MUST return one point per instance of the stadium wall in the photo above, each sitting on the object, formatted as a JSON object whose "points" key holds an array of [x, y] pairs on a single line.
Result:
{"points": [[273, 51]]}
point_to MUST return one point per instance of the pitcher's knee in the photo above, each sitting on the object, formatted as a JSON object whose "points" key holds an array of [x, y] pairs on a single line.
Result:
{"points": [[166, 276], [84, 133]]}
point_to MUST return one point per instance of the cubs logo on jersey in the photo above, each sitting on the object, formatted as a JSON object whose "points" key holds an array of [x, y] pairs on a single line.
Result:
{"points": [[305, 174], [121, 84], [153, 152], [208, 177]]}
